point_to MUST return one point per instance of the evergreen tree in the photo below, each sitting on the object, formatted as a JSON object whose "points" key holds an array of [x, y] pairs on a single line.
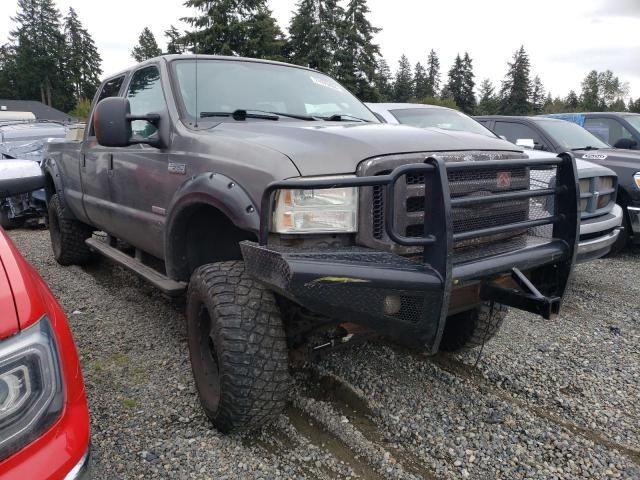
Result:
{"points": [[572, 102], [147, 46], [460, 85], [264, 38], [516, 87], [82, 58], [8, 73], [403, 89], [384, 81], [39, 50], [313, 34], [357, 54], [488, 104], [634, 107], [590, 96], [433, 74], [420, 80], [176, 42], [537, 96]]}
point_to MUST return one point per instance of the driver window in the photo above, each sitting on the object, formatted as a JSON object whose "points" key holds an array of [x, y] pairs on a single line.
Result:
{"points": [[607, 129], [517, 131], [145, 96]]}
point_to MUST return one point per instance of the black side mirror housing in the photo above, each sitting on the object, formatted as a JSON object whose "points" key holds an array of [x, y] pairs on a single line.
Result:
{"points": [[626, 143], [112, 123]]}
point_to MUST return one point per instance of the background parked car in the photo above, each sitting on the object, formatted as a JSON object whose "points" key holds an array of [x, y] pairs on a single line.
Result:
{"points": [[44, 418], [620, 129], [25, 140], [553, 135], [600, 222]]}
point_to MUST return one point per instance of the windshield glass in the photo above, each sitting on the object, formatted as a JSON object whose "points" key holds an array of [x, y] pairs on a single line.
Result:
{"points": [[569, 135], [440, 118], [226, 86], [634, 120]]}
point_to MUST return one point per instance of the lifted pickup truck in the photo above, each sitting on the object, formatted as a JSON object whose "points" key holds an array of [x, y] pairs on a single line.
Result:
{"points": [[281, 204]]}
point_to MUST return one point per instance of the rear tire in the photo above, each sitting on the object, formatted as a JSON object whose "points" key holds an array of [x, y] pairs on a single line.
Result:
{"points": [[237, 347], [472, 328], [67, 236]]}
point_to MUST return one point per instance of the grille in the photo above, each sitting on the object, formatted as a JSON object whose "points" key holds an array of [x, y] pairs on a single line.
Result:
{"points": [[410, 215]]}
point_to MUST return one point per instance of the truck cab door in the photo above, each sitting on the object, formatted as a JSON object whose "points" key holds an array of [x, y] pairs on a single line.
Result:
{"points": [[95, 164], [137, 180]]}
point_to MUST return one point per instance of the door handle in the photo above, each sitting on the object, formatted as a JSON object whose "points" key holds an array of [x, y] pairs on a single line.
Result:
{"points": [[84, 160], [111, 161]]}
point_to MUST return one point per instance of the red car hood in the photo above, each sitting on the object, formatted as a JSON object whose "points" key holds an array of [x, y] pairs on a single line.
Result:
{"points": [[21, 302]]}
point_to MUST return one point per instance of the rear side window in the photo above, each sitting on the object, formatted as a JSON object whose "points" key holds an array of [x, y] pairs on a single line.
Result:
{"points": [[145, 96]]}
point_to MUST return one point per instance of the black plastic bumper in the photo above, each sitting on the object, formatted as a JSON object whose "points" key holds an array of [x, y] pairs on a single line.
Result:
{"points": [[409, 299]]}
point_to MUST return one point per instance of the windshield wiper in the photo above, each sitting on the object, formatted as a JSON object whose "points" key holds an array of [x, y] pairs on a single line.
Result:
{"points": [[339, 117], [242, 114], [588, 147]]}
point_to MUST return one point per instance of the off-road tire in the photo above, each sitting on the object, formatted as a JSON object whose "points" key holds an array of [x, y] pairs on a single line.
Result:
{"points": [[7, 222], [470, 329], [67, 236], [237, 347]]}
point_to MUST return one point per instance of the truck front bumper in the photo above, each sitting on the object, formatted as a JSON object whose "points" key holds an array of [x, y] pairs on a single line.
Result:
{"points": [[597, 235], [410, 299]]}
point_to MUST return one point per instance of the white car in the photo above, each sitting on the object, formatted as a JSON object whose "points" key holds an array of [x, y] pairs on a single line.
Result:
{"points": [[600, 223]]}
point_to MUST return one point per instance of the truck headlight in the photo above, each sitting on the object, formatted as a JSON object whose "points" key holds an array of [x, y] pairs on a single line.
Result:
{"points": [[636, 178], [327, 210], [31, 393]]}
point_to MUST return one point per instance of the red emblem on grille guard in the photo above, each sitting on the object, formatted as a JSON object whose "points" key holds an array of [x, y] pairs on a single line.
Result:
{"points": [[503, 179]]}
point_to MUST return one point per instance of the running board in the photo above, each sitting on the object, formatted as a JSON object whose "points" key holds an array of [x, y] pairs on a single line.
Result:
{"points": [[160, 281]]}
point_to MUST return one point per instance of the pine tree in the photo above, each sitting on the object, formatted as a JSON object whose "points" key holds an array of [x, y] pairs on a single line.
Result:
{"points": [[176, 42], [420, 80], [460, 84], [403, 89], [82, 58], [488, 104], [147, 46], [572, 101], [537, 96], [433, 74], [264, 38], [590, 96], [634, 107], [313, 34], [384, 81], [8, 73], [516, 87], [358, 53], [39, 50]]}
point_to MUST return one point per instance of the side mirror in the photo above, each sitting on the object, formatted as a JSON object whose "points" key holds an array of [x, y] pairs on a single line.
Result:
{"points": [[112, 123], [19, 176], [626, 143], [526, 143]]}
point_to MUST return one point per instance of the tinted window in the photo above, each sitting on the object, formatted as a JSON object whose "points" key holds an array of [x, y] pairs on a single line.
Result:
{"points": [[569, 135], [225, 86], [634, 120], [607, 129], [518, 131], [145, 96], [439, 118]]}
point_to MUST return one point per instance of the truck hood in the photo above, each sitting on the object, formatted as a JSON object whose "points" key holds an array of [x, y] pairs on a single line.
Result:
{"points": [[322, 148], [611, 157]]}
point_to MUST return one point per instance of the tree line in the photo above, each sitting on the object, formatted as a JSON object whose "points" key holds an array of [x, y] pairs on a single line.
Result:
{"points": [[54, 59]]}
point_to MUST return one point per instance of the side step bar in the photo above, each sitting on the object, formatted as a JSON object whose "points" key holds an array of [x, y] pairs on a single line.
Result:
{"points": [[160, 281]]}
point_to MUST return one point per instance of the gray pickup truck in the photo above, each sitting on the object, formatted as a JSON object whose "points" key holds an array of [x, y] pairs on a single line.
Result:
{"points": [[282, 207]]}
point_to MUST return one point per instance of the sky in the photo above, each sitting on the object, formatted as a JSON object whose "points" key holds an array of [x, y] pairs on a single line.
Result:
{"points": [[565, 39]]}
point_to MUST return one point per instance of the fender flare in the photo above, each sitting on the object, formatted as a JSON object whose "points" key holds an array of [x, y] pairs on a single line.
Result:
{"points": [[213, 189], [54, 177]]}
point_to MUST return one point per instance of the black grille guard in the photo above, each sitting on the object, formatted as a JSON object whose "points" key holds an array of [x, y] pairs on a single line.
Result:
{"points": [[439, 237]]}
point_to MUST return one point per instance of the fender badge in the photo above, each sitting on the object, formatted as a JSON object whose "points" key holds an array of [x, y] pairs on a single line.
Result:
{"points": [[177, 168], [594, 156]]}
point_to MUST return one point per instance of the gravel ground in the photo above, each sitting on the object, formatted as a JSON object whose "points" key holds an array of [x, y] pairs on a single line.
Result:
{"points": [[554, 399]]}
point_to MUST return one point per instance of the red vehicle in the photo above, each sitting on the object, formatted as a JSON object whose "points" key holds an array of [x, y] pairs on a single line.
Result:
{"points": [[44, 418]]}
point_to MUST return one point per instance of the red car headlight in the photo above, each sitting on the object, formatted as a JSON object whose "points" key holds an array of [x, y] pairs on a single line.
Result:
{"points": [[31, 393]]}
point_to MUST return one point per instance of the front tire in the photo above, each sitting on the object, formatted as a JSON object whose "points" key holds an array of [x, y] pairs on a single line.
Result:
{"points": [[67, 236], [472, 328], [237, 347]]}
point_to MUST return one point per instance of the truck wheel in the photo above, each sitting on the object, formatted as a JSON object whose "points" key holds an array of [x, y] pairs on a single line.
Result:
{"points": [[469, 329], [237, 347], [623, 237], [67, 236], [7, 222]]}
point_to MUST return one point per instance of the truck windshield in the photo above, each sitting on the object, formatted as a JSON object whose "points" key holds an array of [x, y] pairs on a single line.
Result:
{"points": [[440, 118], [231, 85], [569, 135]]}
